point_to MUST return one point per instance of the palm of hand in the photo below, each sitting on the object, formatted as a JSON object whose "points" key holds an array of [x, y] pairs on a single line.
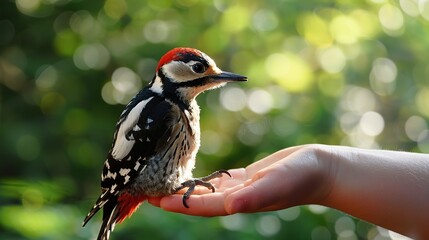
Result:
{"points": [[203, 202], [284, 179]]}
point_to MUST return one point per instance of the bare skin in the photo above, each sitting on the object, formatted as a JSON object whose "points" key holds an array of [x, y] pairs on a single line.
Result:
{"points": [[387, 188]]}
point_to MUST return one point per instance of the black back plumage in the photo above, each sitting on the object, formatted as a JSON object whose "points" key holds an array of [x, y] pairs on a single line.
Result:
{"points": [[149, 134]]}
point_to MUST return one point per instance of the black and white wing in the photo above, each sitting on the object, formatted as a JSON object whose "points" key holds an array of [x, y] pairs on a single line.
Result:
{"points": [[141, 129]]}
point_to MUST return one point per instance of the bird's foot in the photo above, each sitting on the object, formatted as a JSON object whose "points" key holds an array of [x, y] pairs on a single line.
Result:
{"points": [[203, 181]]}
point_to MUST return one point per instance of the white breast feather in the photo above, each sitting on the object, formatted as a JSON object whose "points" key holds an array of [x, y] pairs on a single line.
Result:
{"points": [[123, 145], [195, 123]]}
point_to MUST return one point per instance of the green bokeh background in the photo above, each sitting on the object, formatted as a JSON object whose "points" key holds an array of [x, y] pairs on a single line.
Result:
{"points": [[333, 72]]}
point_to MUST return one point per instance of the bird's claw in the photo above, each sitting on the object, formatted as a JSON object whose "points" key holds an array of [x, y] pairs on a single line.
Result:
{"points": [[190, 184]]}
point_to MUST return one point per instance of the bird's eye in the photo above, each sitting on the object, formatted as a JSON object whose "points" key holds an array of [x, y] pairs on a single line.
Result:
{"points": [[199, 68]]}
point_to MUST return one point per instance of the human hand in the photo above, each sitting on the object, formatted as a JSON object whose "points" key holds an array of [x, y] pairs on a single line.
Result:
{"points": [[293, 176], [394, 186]]}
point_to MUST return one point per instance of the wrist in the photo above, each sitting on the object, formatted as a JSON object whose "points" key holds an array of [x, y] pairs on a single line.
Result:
{"points": [[325, 172]]}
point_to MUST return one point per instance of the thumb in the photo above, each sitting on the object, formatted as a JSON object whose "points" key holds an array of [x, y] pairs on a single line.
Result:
{"points": [[257, 194]]}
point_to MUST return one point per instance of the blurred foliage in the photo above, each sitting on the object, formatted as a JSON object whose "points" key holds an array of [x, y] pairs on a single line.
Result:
{"points": [[334, 72]]}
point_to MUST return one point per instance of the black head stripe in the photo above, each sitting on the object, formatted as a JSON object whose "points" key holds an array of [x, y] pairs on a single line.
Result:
{"points": [[194, 83], [187, 57], [171, 86]]}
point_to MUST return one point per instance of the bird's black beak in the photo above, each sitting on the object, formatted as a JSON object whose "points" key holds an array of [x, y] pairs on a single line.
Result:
{"points": [[229, 77]]}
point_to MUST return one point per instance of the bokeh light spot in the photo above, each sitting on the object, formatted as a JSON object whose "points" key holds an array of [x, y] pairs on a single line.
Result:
{"points": [[414, 126], [11, 76], [268, 225], [233, 98], [344, 224], [289, 214], [156, 31], [348, 122], [234, 222], [410, 7], [317, 209], [264, 20], [368, 23], [124, 85], [28, 6], [422, 100], [384, 70], [115, 8], [235, 19], [345, 228], [332, 59], [315, 30], [260, 101], [345, 29], [372, 123], [290, 71], [358, 100], [82, 22], [424, 9], [391, 19], [107, 93], [91, 56], [383, 76], [126, 81]]}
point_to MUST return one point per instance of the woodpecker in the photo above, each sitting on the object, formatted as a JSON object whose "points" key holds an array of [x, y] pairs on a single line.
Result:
{"points": [[157, 138]]}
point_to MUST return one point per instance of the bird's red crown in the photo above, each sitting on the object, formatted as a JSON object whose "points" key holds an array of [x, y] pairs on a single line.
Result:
{"points": [[175, 54]]}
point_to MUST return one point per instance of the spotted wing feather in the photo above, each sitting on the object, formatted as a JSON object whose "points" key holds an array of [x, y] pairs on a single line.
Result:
{"points": [[138, 136]]}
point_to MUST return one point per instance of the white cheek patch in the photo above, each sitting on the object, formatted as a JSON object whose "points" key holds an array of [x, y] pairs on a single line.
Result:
{"points": [[122, 145], [179, 71]]}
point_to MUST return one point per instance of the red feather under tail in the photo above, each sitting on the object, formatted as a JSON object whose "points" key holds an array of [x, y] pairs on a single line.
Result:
{"points": [[128, 204]]}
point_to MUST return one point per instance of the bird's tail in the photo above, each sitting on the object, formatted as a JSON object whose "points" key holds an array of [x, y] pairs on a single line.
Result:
{"points": [[104, 198], [109, 221], [116, 211]]}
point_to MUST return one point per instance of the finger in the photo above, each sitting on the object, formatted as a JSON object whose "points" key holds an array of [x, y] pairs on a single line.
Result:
{"points": [[271, 159], [258, 194], [237, 175], [207, 205], [155, 201]]}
